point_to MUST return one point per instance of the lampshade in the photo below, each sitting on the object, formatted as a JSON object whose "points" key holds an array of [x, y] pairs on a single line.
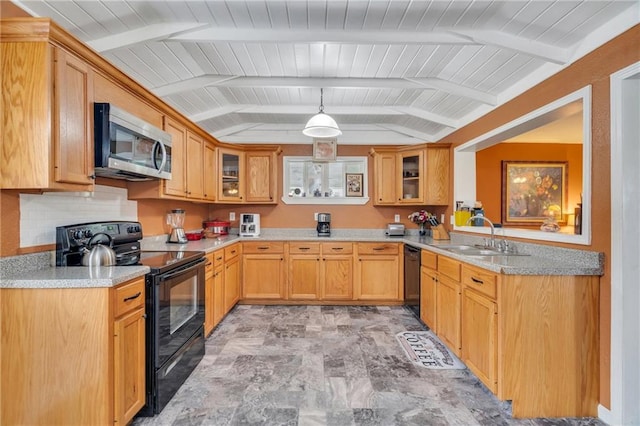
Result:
{"points": [[321, 125]]}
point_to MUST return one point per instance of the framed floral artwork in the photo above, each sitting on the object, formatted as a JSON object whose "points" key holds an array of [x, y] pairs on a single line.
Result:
{"points": [[325, 149], [354, 184], [533, 191]]}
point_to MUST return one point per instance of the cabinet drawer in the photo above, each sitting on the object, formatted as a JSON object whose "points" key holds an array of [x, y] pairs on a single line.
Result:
{"points": [[208, 265], [255, 247], [218, 258], [449, 267], [429, 259], [129, 296], [337, 248], [304, 248], [377, 248], [480, 280], [231, 252]]}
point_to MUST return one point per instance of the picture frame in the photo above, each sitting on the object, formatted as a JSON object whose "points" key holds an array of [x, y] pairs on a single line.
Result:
{"points": [[532, 191], [354, 184], [325, 149]]}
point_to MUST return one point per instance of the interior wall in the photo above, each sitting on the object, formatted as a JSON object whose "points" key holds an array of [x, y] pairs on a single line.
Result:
{"points": [[489, 173], [594, 69], [10, 10], [342, 216]]}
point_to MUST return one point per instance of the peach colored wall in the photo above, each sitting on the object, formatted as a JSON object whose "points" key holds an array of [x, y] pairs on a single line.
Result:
{"points": [[595, 70], [489, 171], [152, 215], [301, 216]]}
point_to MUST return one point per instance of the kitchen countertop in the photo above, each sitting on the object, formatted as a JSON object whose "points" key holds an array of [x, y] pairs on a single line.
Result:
{"points": [[542, 259], [73, 277]]}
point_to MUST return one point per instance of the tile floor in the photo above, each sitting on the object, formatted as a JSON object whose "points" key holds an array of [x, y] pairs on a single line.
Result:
{"points": [[327, 365]]}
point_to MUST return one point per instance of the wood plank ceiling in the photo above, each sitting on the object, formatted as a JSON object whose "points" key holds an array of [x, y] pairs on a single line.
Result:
{"points": [[393, 72]]}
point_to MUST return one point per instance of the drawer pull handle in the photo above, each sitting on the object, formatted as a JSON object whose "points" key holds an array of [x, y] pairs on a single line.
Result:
{"points": [[208, 264], [135, 296], [219, 258], [304, 248], [337, 248], [378, 248], [263, 248], [477, 281]]}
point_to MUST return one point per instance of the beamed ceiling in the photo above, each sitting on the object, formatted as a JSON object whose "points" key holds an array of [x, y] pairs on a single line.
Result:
{"points": [[393, 72]]}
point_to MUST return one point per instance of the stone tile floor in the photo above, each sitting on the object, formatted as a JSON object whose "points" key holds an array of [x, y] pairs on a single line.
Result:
{"points": [[327, 365]]}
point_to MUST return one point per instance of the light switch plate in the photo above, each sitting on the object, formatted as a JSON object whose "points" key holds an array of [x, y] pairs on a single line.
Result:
{"points": [[232, 216], [315, 216], [396, 218]]}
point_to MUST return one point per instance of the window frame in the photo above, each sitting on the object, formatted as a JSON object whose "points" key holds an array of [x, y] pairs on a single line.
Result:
{"points": [[344, 200]]}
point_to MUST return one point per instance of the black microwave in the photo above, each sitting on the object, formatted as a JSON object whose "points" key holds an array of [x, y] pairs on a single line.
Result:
{"points": [[127, 147]]}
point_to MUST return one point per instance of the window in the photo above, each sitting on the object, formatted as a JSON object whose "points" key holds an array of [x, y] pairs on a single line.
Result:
{"points": [[309, 182]]}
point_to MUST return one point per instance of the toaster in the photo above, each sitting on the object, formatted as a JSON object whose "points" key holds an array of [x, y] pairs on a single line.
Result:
{"points": [[395, 229]]}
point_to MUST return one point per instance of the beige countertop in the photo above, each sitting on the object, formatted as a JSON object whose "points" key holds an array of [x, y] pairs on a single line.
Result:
{"points": [[540, 259]]}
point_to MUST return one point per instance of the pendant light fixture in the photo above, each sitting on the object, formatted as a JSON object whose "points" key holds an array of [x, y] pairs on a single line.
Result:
{"points": [[321, 125]]}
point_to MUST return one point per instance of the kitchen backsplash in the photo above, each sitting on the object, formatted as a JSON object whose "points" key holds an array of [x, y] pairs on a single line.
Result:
{"points": [[41, 213]]}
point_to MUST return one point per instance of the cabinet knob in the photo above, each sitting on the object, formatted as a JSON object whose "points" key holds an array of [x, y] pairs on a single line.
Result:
{"points": [[92, 177]]}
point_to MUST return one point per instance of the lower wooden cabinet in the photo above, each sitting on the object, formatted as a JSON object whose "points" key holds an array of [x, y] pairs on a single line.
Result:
{"points": [[448, 301], [232, 276], [336, 276], [78, 358], [428, 298], [263, 270], [304, 271], [480, 337], [378, 272]]}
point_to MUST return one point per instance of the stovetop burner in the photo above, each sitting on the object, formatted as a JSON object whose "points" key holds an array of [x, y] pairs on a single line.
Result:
{"points": [[161, 261]]}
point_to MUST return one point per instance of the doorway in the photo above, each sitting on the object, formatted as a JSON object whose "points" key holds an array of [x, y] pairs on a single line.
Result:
{"points": [[625, 246]]}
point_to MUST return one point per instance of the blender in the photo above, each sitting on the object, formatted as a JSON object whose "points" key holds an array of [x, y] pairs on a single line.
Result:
{"points": [[176, 220]]}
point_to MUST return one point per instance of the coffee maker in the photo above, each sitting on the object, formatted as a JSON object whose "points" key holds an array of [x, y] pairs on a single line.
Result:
{"points": [[176, 220], [324, 225], [249, 224]]}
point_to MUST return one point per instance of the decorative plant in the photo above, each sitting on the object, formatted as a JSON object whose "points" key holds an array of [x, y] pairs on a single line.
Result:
{"points": [[421, 218]]}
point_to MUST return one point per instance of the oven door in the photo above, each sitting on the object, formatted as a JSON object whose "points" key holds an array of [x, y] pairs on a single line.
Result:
{"points": [[178, 303]]}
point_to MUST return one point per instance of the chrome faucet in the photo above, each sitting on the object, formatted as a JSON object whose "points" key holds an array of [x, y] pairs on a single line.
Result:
{"points": [[492, 243]]}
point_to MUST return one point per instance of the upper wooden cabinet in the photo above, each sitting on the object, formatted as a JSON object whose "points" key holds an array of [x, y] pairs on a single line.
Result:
{"points": [[231, 181], [47, 94], [261, 176], [413, 176], [247, 176], [193, 168]]}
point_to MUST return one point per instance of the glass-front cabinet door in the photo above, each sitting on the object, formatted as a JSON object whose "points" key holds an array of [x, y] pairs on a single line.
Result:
{"points": [[411, 167], [231, 182]]}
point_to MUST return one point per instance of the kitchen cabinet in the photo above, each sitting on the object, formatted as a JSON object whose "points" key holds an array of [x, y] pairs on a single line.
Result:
{"points": [[47, 93], [263, 268], [411, 176], [428, 289], [437, 175], [79, 358], [261, 177], [304, 271], [378, 272], [480, 334], [177, 184], [129, 351], [530, 339], [232, 276], [448, 303], [209, 294], [218, 287], [209, 173], [336, 274], [231, 182], [194, 166]]}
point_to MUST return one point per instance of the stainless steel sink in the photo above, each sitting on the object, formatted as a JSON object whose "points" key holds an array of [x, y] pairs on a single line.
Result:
{"points": [[468, 250]]}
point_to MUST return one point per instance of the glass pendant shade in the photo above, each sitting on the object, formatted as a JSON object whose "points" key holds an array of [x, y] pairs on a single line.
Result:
{"points": [[321, 125]]}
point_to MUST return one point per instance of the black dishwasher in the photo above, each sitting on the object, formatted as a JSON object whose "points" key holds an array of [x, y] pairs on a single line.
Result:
{"points": [[412, 278]]}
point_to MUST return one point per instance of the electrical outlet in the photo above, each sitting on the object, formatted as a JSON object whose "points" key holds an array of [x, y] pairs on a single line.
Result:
{"points": [[396, 218], [442, 218], [232, 216], [315, 216]]}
